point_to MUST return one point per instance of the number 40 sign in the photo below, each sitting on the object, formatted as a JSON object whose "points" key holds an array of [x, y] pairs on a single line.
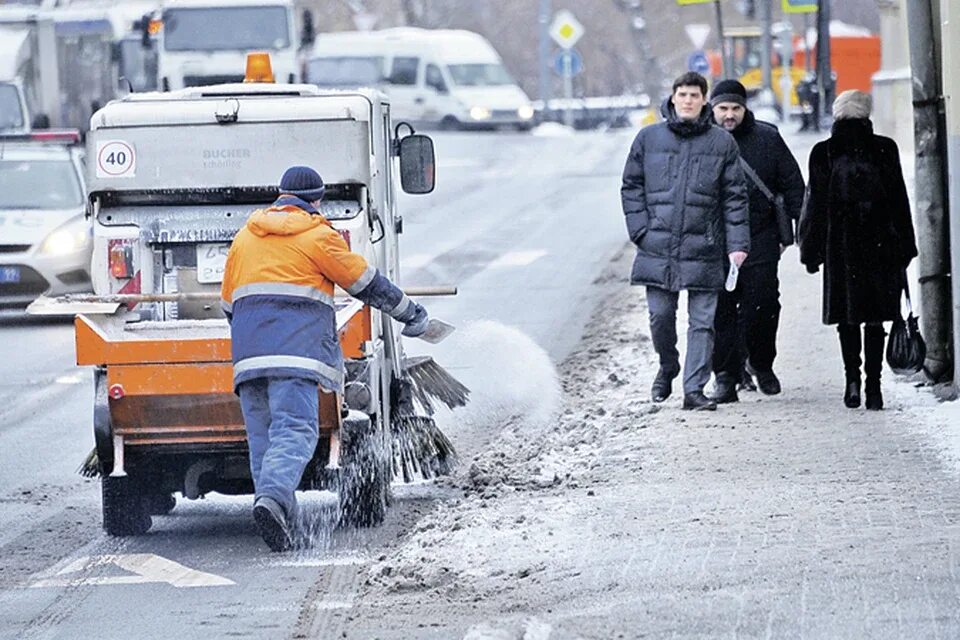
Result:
{"points": [[116, 159]]}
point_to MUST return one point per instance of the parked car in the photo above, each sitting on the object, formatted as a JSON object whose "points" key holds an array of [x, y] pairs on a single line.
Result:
{"points": [[45, 238]]}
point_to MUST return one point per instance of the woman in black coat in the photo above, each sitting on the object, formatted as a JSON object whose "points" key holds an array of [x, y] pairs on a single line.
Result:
{"points": [[856, 222]]}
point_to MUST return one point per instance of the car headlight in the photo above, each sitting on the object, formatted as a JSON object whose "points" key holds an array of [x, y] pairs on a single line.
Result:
{"points": [[69, 238], [525, 112], [480, 113]]}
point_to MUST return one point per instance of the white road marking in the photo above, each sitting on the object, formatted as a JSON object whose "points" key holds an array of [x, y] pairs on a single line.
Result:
{"points": [[518, 258], [147, 567], [346, 561]]}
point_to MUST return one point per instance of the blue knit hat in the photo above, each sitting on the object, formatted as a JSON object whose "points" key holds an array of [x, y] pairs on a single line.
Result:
{"points": [[303, 182]]}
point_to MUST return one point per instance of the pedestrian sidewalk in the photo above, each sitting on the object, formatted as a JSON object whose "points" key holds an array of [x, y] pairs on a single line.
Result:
{"points": [[776, 517], [782, 517]]}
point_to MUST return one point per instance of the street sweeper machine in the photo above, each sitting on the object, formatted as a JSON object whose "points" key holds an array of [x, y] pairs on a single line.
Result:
{"points": [[172, 177]]}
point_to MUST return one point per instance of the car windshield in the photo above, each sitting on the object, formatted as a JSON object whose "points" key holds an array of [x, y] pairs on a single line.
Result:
{"points": [[479, 75], [11, 114], [225, 29], [39, 184], [345, 71]]}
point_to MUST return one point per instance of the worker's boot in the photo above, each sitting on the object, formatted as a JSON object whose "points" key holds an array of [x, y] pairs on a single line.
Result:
{"points": [[725, 389], [272, 523], [873, 339], [850, 346]]}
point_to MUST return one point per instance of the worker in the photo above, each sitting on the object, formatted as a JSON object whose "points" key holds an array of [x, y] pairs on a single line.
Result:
{"points": [[278, 297]]}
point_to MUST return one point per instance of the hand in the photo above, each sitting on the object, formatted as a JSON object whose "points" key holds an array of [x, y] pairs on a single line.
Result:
{"points": [[738, 257], [812, 268], [417, 325]]}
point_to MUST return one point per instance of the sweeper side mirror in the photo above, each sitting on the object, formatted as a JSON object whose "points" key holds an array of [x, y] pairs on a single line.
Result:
{"points": [[418, 171]]}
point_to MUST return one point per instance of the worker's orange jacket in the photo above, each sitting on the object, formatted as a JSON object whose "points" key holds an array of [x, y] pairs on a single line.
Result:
{"points": [[278, 294]]}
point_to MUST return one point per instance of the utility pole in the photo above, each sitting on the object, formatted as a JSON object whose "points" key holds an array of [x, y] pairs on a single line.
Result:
{"points": [[931, 214], [724, 54], [546, 12], [824, 71], [766, 44], [950, 36]]}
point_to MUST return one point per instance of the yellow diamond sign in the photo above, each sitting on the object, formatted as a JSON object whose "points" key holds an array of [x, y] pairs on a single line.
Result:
{"points": [[565, 29]]}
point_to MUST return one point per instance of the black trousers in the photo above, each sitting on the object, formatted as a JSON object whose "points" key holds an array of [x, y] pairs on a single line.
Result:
{"points": [[747, 320]]}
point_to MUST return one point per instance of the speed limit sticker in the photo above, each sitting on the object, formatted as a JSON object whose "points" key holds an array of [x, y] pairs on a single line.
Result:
{"points": [[116, 159]]}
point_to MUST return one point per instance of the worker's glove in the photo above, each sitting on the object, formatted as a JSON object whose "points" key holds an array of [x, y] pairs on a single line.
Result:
{"points": [[417, 325], [812, 268]]}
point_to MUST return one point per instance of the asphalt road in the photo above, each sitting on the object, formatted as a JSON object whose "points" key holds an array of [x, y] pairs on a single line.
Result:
{"points": [[522, 224]]}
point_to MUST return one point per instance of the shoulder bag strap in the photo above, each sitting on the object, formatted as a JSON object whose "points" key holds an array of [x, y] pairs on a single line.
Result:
{"points": [[747, 169], [906, 291]]}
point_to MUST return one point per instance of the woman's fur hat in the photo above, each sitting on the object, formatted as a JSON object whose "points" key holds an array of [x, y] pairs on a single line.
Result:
{"points": [[852, 105]]}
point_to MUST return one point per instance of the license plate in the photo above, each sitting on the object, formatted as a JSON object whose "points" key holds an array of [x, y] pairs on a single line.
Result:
{"points": [[211, 260], [9, 275]]}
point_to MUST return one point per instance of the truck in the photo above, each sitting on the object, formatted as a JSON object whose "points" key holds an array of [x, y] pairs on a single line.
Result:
{"points": [[56, 67], [446, 77], [205, 42], [29, 73], [172, 176]]}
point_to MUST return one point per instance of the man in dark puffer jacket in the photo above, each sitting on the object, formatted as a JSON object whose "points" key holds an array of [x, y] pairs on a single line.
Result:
{"points": [[685, 201], [747, 318]]}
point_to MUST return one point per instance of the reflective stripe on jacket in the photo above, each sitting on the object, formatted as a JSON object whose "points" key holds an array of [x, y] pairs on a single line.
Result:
{"points": [[278, 294]]}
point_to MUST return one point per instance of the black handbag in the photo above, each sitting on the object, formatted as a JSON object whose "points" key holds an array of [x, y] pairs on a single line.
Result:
{"points": [[906, 350], [785, 224]]}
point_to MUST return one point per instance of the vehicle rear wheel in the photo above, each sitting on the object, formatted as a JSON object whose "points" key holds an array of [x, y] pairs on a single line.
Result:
{"points": [[124, 511], [159, 504], [364, 472], [449, 123]]}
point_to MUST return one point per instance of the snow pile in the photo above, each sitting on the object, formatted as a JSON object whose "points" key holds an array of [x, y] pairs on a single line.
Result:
{"points": [[518, 489]]}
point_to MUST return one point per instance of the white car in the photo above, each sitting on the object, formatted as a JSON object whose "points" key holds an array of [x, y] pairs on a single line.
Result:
{"points": [[45, 240]]}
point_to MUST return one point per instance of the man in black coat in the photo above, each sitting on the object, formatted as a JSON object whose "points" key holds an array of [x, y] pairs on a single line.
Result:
{"points": [[747, 318], [685, 201]]}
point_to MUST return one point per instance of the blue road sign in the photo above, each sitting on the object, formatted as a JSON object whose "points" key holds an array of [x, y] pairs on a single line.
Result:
{"points": [[568, 61], [698, 62]]}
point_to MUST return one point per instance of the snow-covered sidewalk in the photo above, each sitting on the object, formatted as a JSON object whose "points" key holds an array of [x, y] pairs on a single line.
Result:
{"points": [[787, 516]]}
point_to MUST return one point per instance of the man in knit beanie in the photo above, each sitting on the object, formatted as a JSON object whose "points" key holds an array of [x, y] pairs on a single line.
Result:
{"points": [[747, 318]]}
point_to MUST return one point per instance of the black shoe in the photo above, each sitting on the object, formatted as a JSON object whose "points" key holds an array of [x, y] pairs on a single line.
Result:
{"points": [[874, 399], [851, 395], [662, 387], [768, 382], [725, 389], [698, 402], [746, 381], [271, 523]]}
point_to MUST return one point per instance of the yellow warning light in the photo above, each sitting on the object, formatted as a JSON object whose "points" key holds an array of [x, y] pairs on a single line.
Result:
{"points": [[154, 27], [259, 68]]}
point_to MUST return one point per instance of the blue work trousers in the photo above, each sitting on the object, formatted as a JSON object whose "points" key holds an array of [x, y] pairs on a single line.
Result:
{"points": [[282, 420]]}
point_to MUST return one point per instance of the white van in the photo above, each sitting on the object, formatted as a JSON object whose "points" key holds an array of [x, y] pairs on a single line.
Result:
{"points": [[450, 78]]}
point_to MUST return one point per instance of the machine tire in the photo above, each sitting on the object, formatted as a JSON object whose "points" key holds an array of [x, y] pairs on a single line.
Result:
{"points": [[159, 504], [124, 511], [450, 123], [364, 487]]}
